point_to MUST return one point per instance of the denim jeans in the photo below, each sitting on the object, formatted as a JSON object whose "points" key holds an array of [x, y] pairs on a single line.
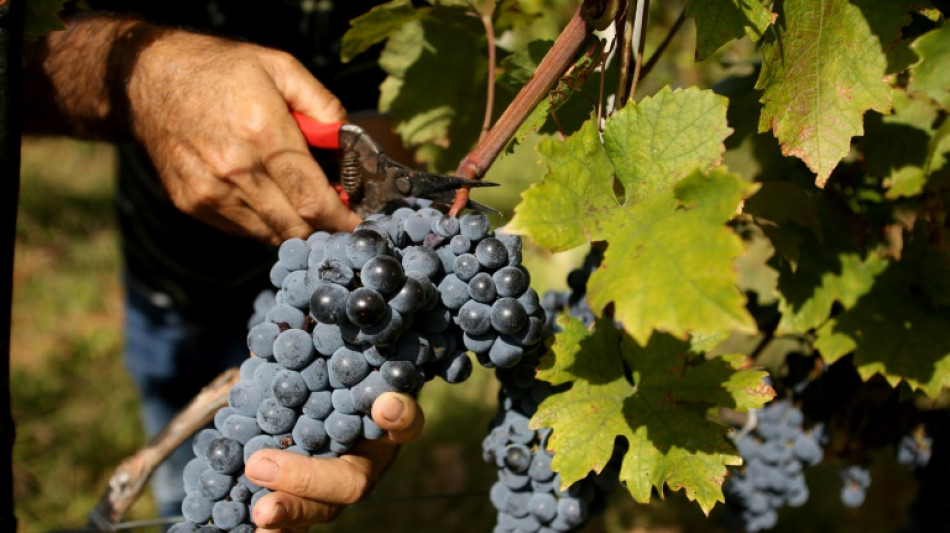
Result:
{"points": [[171, 357]]}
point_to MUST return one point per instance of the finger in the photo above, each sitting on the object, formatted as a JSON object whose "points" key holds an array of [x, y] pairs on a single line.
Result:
{"points": [[400, 415], [341, 480], [284, 512], [272, 205], [302, 92], [304, 184], [242, 220]]}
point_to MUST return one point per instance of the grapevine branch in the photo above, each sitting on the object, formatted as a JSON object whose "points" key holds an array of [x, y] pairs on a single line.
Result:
{"points": [[128, 480], [555, 62]]}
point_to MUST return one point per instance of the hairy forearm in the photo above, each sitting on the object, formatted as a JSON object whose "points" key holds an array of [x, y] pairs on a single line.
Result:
{"points": [[76, 79]]}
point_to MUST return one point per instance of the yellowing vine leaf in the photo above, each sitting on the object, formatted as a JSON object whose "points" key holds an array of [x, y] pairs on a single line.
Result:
{"points": [[648, 146], [567, 207], [669, 264], [664, 137], [823, 66], [661, 414], [720, 21]]}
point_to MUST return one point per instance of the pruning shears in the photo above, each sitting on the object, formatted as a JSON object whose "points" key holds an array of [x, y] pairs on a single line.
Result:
{"points": [[370, 179]]}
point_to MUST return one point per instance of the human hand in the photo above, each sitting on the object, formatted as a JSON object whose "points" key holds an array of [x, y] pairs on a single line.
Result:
{"points": [[313, 490], [213, 115]]}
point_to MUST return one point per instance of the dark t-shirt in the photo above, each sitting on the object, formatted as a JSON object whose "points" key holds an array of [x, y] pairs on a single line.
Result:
{"points": [[175, 259]]}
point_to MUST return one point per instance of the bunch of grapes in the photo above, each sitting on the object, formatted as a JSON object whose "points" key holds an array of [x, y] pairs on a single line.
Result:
{"points": [[856, 480], [774, 456], [528, 494], [915, 450], [385, 308]]}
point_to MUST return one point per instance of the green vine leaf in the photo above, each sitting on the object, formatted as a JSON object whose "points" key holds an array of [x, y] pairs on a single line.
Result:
{"points": [[720, 21], [822, 279], [568, 206], [440, 114], [375, 26], [661, 414], [932, 74], [669, 264], [823, 67], [664, 137], [895, 331], [42, 17]]}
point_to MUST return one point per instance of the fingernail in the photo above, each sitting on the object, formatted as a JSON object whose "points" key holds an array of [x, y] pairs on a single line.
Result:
{"points": [[392, 409], [279, 515], [263, 470]]}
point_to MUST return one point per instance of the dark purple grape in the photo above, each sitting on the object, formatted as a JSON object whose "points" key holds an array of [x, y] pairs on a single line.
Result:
{"points": [[366, 307], [383, 273], [334, 271], [453, 291], [474, 226], [260, 442], [196, 508], [328, 303], [529, 300], [402, 376], [507, 316], [315, 375], [245, 396], [466, 266], [518, 458], [421, 259], [225, 455], [201, 442], [343, 428], [446, 226], [294, 349], [482, 288], [414, 348], [214, 485], [240, 428], [290, 388], [286, 316], [318, 405], [309, 433], [277, 274], [510, 281], [491, 253], [363, 245], [347, 367], [504, 353], [460, 245], [387, 332], [342, 401], [335, 248], [260, 339], [411, 297], [274, 418], [456, 369], [475, 318], [364, 393], [228, 515], [417, 226]]}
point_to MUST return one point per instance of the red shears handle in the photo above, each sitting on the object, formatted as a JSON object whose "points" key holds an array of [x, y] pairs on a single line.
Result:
{"points": [[319, 134]]}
